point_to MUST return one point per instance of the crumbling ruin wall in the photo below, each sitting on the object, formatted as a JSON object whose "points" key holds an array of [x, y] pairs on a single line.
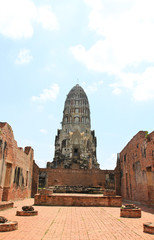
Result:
{"points": [[35, 180], [16, 167], [77, 177], [117, 172], [137, 169]]}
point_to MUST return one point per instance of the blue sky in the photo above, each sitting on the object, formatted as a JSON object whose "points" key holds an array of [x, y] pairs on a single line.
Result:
{"points": [[45, 46]]}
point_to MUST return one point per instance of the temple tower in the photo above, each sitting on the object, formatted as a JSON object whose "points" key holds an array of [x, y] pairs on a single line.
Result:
{"points": [[75, 143]]}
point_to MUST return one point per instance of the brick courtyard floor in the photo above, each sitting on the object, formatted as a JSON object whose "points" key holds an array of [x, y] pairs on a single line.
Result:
{"points": [[76, 223]]}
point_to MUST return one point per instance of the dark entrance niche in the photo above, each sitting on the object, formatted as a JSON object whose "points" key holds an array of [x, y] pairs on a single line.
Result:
{"points": [[42, 179], [109, 181], [76, 152], [148, 169]]}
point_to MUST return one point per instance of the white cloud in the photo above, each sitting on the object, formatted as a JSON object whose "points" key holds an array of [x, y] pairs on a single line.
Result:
{"points": [[116, 91], [116, 88], [140, 84], [24, 57], [47, 18], [125, 40], [93, 87], [95, 4], [18, 16], [44, 131], [98, 58], [143, 88], [48, 94]]}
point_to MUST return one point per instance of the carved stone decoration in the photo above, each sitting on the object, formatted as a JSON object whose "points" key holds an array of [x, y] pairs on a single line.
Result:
{"points": [[75, 143]]}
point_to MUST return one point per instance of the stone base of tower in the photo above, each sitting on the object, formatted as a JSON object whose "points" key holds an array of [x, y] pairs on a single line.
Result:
{"points": [[77, 200], [106, 179]]}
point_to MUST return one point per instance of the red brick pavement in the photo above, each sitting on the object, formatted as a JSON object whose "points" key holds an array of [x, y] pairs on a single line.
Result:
{"points": [[76, 223]]}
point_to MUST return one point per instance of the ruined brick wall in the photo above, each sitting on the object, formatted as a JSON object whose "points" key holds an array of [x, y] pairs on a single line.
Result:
{"points": [[137, 169], [117, 179], [16, 166], [76, 177], [35, 179], [1, 193]]}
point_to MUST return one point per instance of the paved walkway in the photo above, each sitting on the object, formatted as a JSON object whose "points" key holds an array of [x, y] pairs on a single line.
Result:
{"points": [[76, 223]]}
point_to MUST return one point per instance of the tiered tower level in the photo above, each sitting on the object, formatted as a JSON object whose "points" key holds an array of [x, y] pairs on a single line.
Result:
{"points": [[75, 143]]}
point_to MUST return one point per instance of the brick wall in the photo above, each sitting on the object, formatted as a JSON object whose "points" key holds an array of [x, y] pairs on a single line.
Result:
{"points": [[76, 177], [1, 192], [16, 166], [35, 179], [117, 171], [137, 169]]}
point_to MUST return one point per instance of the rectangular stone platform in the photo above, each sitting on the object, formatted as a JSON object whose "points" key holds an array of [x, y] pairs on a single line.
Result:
{"points": [[77, 200]]}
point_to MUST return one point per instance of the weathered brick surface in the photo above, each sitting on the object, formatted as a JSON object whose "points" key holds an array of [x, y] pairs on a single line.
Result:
{"points": [[137, 169], [77, 200], [130, 213], [1, 192], [108, 192], [45, 191], [16, 167], [35, 179], [77, 223], [148, 227], [77, 177], [6, 205], [8, 226], [27, 213], [117, 172]]}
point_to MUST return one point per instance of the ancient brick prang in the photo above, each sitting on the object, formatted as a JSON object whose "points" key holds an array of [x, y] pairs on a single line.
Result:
{"points": [[75, 143]]}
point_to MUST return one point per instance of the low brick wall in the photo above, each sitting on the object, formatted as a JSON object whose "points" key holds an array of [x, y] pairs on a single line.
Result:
{"points": [[26, 213], [6, 205], [109, 192], [8, 226], [77, 200], [148, 227], [45, 191], [130, 213], [77, 177]]}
